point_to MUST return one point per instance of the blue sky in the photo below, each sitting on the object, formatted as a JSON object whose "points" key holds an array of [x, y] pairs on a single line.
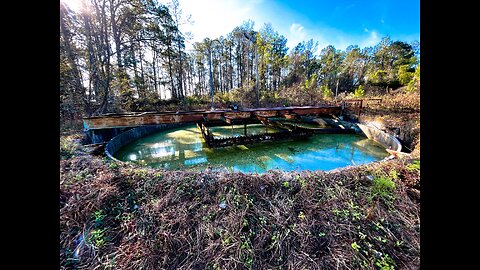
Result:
{"points": [[338, 23]]}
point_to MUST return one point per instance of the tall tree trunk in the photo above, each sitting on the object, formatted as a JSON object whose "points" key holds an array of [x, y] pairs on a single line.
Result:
{"points": [[142, 73], [78, 90], [93, 69], [154, 67], [170, 73], [220, 75], [135, 70], [180, 71], [106, 52], [240, 66], [116, 34], [231, 67]]}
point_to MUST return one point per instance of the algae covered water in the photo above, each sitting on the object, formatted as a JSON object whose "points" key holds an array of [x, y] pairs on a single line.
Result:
{"points": [[183, 148]]}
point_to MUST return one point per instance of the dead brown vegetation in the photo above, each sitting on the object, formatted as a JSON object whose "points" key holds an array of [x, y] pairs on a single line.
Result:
{"points": [[154, 219]]}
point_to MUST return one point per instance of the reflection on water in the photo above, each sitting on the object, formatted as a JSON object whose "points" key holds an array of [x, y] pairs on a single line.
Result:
{"points": [[183, 148], [238, 130]]}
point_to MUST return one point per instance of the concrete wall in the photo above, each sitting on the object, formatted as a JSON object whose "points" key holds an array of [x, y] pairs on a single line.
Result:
{"points": [[102, 135], [389, 141], [134, 134]]}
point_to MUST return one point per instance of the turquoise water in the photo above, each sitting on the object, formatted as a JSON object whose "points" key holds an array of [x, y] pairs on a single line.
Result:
{"points": [[238, 130], [184, 148]]}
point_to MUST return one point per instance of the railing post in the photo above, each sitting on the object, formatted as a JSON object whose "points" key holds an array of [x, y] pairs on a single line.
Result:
{"points": [[360, 107]]}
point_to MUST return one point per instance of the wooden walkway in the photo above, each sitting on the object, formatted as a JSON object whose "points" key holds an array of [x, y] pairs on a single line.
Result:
{"points": [[241, 116]]}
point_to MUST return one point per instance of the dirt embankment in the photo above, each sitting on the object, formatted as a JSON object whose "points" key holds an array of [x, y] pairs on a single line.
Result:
{"points": [[127, 217], [397, 114]]}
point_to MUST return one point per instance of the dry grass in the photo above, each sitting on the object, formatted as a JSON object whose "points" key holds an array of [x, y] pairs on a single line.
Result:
{"points": [[398, 102], [154, 219]]}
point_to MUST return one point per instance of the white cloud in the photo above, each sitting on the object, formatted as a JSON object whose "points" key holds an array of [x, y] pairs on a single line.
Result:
{"points": [[215, 18], [296, 35], [297, 29], [323, 35], [372, 40], [331, 36]]}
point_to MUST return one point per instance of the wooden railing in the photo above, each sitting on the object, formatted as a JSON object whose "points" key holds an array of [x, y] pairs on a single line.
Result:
{"points": [[353, 105]]}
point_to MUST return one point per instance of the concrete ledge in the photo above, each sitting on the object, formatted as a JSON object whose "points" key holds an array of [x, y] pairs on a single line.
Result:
{"points": [[387, 140], [131, 135]]}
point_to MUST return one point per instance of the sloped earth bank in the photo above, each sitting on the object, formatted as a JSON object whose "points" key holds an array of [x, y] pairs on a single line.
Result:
{"points": [[398, 114], [121, 216]]}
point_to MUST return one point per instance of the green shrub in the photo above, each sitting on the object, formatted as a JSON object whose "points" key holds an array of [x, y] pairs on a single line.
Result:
{"points": [[359, 92], [223, 98], [68, 147], [414, 166], [385, 263], [383, 187], [326, 92], [404, 74], [414, 83]]}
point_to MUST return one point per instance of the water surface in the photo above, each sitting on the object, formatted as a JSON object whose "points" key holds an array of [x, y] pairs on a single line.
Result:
{"points": [[183, 148]]}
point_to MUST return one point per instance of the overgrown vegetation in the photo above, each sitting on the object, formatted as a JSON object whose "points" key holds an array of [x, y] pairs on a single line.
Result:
{"points": [[128, 217], [383, 186], [359, 92], [68, 146], [130, 56]]}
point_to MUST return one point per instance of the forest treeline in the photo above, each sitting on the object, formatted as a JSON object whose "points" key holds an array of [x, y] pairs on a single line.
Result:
{"points": [[130, 55]]}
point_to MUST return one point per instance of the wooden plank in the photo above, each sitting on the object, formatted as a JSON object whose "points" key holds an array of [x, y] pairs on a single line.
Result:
{"points": [[271, 113], [154, 118], [237, 115], [290, 115]]}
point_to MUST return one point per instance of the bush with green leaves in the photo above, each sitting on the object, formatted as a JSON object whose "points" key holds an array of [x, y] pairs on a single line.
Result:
{"points": [[193, 100], [414, 166], [414, 83], [359, 92], [405, 74], [383, 187], [224, 98], [326, 92]]}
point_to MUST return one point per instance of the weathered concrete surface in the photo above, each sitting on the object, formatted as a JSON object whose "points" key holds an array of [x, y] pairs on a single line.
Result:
{"points": [[389, 141], [100, 136], [405, 128], [134, 134]]}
